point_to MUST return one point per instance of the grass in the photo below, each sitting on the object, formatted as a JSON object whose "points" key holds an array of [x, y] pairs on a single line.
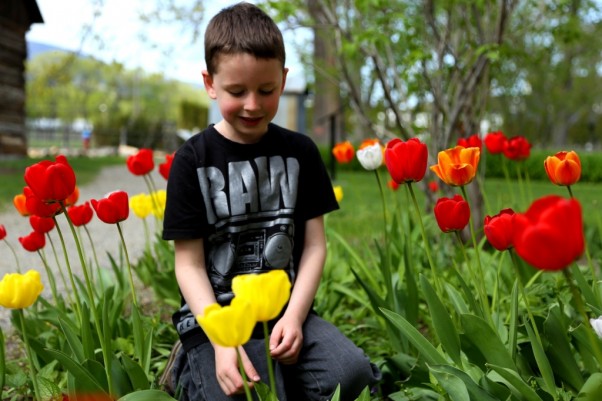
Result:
{"points": [[11, 174]]}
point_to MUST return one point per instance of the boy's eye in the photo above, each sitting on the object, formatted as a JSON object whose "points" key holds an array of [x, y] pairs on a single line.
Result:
{"points": [[236, 93], [266, 91]]}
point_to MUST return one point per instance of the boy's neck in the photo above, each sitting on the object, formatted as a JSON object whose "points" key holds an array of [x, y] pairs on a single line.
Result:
{"points": [[229, 133]]}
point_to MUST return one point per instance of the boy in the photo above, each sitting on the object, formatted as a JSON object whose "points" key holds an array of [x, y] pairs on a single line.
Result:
{"points": [[246, 196]]}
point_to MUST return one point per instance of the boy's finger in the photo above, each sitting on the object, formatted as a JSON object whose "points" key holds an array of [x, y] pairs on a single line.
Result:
{"points": [[249, 368]]}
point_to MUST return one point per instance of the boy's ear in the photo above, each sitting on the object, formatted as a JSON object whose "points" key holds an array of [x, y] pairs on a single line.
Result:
{"points": [[284, 73], [208, 81]]}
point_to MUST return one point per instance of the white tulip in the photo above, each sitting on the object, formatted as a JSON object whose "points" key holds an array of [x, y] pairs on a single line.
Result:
{"points": [[370, 157], [597, 325]]}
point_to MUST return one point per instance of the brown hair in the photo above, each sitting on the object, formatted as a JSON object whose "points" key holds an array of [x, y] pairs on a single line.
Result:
{"points": [[242, 28]]}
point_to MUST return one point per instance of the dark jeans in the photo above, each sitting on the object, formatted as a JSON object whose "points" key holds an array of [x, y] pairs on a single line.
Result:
{"points": [[327, 359]]}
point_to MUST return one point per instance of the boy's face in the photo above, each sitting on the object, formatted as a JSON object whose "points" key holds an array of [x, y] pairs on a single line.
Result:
{"points": [[247, 90]]}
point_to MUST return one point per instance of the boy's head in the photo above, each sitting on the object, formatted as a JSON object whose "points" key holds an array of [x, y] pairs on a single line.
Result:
{"points": [[242, 28]]}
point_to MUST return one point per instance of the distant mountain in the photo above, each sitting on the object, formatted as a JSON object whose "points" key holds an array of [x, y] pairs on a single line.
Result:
{"points": [[36, 48]]}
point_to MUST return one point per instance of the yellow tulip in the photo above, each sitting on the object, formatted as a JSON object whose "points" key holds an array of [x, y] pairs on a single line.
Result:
{"points": [[141, 205], [158, 204], [228, 326], [18, 291], [267, 292], [457, 166], [338, 192]]}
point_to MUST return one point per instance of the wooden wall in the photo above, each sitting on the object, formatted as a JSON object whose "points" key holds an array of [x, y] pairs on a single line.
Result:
{"points": [[16, 17]]}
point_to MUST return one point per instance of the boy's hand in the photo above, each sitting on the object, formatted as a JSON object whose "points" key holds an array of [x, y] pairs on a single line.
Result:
{"points": [[226, 369], [286, 340]]}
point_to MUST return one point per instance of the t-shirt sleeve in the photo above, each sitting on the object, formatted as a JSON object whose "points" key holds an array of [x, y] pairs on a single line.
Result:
{"points": [[316, 192], [185, 216]]}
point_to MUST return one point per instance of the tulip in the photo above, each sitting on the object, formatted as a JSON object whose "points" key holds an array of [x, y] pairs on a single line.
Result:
{"points": [[564, 168], [495, 142], [42, 225], [457, 166], [159, 198], [393, 185], [517, 148], [549, 236], [597, 326], [368, 142], [343, 152], [51, 181], [338, 192], [80, 215], [73, 198], [141, 163], [499, 229], [406, 161], [452, 214], [33, 242], [141, 205], [433, 186], [228, 326], [19, 291], [113, 208], [165, 168], [473, 141], [370, 157], [267, 292], [37, 207], [2, 232], [20, 204]]}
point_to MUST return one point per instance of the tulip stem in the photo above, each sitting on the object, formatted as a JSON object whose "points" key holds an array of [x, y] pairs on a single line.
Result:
{"points": [[56, 259], [127, 260], [387, 262], [482, 296], [482, 286], [78, 302], [425, 240], [32, 368], [14, 255], [587, 254], [266, 340], [50, 278], [595, 342], [245, 379], [102, 288]]}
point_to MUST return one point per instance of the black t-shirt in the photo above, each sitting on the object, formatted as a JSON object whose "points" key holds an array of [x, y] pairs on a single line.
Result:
{"points": [[248, 202]]}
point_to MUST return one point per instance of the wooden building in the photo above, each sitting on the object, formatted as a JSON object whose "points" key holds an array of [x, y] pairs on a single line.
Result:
{"points": [[16, 17]]}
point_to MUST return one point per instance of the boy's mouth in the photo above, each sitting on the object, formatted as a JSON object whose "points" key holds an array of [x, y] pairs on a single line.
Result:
{"points": [[251, 121]]}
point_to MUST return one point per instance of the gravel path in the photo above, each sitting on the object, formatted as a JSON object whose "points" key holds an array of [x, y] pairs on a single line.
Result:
{"points": [[105, 236]]}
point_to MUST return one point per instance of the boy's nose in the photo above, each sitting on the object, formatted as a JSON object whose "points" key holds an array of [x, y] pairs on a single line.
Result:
{"points": [[252, 102]]}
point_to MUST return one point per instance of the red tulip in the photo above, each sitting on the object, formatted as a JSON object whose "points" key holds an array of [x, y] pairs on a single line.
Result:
{"points": [[73, 198], [36, 207], [549, 236], [495, 142], [406, 161], [165, 168], [343, 152], [517, 148], [499, 229], [452, 214], [2, 232], [433, 186], [392, 185], [564, 168], [33, 242], [41, 224], [80, 215], [141, 163], [113, 208], [51, 181], [473, 141]]}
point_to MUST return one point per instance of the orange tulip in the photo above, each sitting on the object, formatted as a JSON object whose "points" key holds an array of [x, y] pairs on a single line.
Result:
{"points": [[564, 168], [457, 166], [19, 202], [343, 152]]}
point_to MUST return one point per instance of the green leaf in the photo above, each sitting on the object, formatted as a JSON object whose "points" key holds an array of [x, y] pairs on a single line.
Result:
{"points": [[513, 326], [430, 354], [483, 337], [584, 287], [87, 337], [84, 379], [146, 395], [135, 372], [453, 386], [592, 389], [264, 393], [542, 360], [364, 395], [476, 392], [337, 394], [49, 390], [443, 325], [2, 361], [72, 339], [456, 299], [517, 385]]}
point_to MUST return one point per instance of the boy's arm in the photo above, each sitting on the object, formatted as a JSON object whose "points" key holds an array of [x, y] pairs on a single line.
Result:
{"points": [[287, 336], [194, 283]]}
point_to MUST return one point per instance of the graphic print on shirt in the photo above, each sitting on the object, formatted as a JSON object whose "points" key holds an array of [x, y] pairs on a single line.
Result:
{"points": [[252, 210]]}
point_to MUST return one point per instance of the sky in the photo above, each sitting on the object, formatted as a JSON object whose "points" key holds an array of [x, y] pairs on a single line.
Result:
{"points": [[119, 29]]}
